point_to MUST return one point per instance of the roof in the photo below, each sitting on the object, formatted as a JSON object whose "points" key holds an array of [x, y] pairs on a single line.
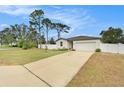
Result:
{"points": [[82, 38], [77, 38], [61, 39]]}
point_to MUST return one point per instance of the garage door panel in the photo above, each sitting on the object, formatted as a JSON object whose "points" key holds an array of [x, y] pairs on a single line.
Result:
{"points": [[85, 46]]}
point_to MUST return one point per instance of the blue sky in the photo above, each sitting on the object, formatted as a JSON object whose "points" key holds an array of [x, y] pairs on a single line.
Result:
{"points": [[83, 20]]}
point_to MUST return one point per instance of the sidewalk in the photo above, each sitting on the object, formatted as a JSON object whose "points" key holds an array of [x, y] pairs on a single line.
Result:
{"points": [[18, 76]]}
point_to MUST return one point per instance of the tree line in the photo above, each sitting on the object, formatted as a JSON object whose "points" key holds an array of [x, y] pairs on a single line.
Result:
{"points": [[34, 34], [112, 35]]}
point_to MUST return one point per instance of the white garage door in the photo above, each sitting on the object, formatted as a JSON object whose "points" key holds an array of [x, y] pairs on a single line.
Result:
{"points": [[85, 46]]}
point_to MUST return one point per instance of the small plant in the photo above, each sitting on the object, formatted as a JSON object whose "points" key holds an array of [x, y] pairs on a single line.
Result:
{"points": [[98, 50]]}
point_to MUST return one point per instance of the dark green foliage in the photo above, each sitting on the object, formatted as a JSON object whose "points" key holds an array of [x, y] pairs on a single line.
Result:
{"points": [[43, 41], [7, 36], [25, 45], [31, 44], [20, 43], [52, 41], [36, 18], [60, 28], [111, 35], [14, 45], [98, 50]]}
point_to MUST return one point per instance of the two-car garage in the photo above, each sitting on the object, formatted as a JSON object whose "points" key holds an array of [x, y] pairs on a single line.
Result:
{"points": [[86, 45]]}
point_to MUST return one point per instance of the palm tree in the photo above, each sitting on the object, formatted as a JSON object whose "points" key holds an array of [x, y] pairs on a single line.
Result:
{"points": [[61, 28], [47, 24]]}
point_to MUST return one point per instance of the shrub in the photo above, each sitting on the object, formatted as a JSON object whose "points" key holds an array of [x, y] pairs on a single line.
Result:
{"points": [[33, 44], [14, 46], [20, 43], [25, 45], [30, 44], [98, 50]]}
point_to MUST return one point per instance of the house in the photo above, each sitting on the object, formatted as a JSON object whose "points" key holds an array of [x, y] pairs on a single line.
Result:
{"points": [[79, 43]]}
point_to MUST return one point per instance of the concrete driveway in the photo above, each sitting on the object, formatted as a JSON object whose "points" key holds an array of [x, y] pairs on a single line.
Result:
{"points": [[53, 71]]}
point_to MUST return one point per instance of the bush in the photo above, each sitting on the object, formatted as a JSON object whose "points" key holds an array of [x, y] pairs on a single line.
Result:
{"points": [[25, 45], [98, 50], [14, 46], [31, 44], [20, 43]]}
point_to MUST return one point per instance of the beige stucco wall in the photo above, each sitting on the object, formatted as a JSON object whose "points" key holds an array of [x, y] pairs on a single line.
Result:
{"points": [[66, 44]]}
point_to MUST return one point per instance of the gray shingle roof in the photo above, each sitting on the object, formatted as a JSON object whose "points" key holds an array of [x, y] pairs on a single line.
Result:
{"points": [[77, 38], [82, 38]]}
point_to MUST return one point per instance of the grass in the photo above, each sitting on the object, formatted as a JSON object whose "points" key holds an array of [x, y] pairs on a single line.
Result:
{"points": [[102, 69], [4, 46], [16, 56]]}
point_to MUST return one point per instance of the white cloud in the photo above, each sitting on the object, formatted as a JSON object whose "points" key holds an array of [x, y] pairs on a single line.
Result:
{"points": [[77, 19], [55, 6], [17, 10], [2, 26]]}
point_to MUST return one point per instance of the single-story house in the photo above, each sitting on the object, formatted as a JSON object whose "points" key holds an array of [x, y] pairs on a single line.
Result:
{"points": [[81, 43]]}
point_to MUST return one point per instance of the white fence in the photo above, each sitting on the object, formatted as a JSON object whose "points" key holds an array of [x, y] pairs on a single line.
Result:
{"points": [[50, 46], [112, 48]]}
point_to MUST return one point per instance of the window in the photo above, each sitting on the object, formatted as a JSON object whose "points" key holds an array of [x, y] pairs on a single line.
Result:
{"points": [[61, 43]]}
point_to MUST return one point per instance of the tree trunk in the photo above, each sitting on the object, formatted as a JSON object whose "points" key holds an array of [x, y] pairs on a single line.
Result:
{"points": [[46, 39], [39, 44], [58, 34], [11, 43], [39, 31]]}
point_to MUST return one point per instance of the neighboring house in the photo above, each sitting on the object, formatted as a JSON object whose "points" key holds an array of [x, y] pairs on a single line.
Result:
{"points": [[79, 43]]}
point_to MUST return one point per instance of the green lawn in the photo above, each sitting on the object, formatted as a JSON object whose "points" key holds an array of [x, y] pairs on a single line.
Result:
{"points": [[4, 46], [16, 56]]}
